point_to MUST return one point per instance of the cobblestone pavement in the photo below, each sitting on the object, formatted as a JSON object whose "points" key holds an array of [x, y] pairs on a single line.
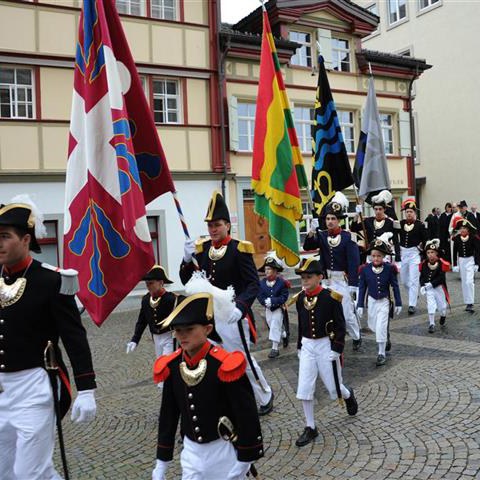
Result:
{"points": [[419, 416]]}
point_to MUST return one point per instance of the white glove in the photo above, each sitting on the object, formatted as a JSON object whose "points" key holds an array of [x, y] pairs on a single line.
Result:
{"points": [[475, 268], [268, 302], [455, 269], [333, 356], [131, 346], [239, 471], [358, 208], [314, 225], [188, 250], [160, 469], [235, 316], [428, 286], [360, 312], [423, 290], [398, 310], [84, 407]]}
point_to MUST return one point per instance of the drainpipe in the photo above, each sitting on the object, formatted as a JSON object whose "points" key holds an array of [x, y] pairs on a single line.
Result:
{"points": [[412, 133], [221, 79]]}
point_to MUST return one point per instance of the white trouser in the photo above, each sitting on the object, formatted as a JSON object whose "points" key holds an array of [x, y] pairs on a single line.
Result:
{"points": [[313, 362], [209, 461], [27, 426], [436, 301], [231, 342], [378, 311], [466, 266], [410, 273], [275, 324], [338, 283], [163, 343]]}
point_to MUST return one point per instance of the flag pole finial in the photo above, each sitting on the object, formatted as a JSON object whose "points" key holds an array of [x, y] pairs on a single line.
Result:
{"points": [[262, 2], [370, 69]]}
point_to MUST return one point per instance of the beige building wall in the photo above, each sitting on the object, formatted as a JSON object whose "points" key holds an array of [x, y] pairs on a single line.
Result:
{"points": [[446, 97]]}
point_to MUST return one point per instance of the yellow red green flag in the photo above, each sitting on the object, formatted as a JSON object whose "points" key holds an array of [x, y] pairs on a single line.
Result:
{"points": [[277, 168]]}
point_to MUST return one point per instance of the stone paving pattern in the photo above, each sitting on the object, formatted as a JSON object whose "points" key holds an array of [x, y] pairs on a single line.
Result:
{"points": [[419, 416]]}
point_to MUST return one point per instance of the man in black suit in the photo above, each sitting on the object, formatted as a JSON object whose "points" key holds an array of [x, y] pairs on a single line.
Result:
{"points": [[443, 224], [433, 223]]}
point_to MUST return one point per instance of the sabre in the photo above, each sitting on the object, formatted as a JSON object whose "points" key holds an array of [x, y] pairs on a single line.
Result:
{"points": [[340, 399]]}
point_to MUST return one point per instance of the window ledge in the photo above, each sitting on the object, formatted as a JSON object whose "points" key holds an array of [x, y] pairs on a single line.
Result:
{"points": [[430, 8], [391, 26], [300, 67]]}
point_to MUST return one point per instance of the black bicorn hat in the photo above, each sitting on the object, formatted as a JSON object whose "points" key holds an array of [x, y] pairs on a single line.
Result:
{"points": [[157, 273], [382, 199], [20, 215], [271, 262], [460, 222], [310, 265], [193, 310], [379, 245], [462, 203], [409, 204], [334, 208], [434, 244], [217, 208]]}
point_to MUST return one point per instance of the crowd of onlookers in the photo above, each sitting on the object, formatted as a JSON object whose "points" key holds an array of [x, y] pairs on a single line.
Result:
{"points": [[439, 224]]}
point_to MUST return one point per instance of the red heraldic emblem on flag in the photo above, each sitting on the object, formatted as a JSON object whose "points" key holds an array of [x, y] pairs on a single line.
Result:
{"points": [[116, 165]]}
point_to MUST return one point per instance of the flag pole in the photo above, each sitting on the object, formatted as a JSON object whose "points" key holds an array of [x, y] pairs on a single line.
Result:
{"points": [[184, 225]]}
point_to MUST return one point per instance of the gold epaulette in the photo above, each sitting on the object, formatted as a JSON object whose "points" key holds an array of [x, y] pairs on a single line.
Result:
{"points": [[199, 244], [336, 296], [245, 246], [293, 299]]}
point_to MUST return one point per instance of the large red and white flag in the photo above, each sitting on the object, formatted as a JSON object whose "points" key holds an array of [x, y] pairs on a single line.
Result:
{"points": [[116, 165]]}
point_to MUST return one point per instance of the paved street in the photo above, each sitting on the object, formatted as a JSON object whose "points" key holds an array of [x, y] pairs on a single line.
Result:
{"points": [[419, 416]]}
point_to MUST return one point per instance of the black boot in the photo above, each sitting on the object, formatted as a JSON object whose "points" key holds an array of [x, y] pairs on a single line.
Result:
{"points": [[469, 308], [274, 353], [411, 310], [285, 341], [431, 329], [308, 435], [266, 409], [356, 344], [381, 360], [442, 321], [351, 403]]}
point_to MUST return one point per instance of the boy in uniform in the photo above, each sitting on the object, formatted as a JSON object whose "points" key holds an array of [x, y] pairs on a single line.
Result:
{"points": [[272, 295], [206, 388], [376, 280], [321, 339], [434, 283]]}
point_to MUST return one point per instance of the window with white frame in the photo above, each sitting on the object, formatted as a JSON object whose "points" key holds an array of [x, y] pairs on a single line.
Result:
{"points": [[422, 4], [303, 125], [303, 54], [397, 10], [387, 132], [246, 125], [346, 120], [340, 55], [164, 9], [49, 244], [16, 92], [131, 7], [153, 229], [373, 8], [144, 82], [166, 100]]}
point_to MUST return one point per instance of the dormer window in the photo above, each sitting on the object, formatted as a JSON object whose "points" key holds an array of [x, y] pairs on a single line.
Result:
{"points": [[303, 54]]}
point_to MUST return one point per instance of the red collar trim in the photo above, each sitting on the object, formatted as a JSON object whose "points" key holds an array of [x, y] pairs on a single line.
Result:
{"points": [[195, 360], [223, 242], [334, 231], [271, 279], [18, 267], [314, 292]]}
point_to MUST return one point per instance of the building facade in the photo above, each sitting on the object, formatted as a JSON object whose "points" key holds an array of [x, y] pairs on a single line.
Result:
{"points": [[445, 99]]}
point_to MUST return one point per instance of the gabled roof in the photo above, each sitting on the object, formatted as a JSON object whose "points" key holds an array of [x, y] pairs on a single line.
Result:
{"points": [[360, 20]]}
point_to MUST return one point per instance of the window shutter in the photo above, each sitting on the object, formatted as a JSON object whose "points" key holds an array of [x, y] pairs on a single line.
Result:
{"points": [[404, 127], [324, 37], [233, 123]]}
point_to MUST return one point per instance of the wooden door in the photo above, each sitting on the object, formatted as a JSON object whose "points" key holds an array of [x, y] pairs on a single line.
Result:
{"points": [[256, 231]]}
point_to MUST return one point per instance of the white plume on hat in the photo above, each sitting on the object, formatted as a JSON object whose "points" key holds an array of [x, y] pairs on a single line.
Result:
{"points": [[273, 254], [341, 199], [434, 242], [223, 300], [40, 230], [384, 196]]}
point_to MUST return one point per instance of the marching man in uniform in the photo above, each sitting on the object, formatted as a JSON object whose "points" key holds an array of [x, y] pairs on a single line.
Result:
{"points": [[376, 280], [340, 258], [205, 387], [434, 283], [37, 308], [157, 305], [273, 295], [226, 262], [413, 236], [321, 338], [466, 252]]}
